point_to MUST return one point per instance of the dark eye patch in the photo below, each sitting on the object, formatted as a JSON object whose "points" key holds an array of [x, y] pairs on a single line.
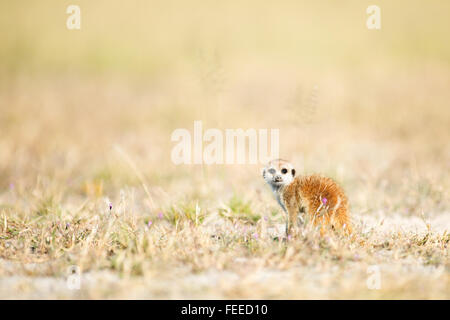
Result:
{"points": [[284, 171], [272, 170], [293, 172]]}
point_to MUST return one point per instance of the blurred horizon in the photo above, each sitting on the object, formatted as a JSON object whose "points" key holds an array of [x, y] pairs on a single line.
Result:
{"points": [[149, 38]]}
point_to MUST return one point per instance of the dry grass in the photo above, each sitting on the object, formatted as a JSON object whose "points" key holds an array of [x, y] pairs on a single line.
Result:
{"points": [[88, 126]]}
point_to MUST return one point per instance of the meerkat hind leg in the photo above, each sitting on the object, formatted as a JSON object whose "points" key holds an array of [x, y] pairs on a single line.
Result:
{"points": [[292, 221]]}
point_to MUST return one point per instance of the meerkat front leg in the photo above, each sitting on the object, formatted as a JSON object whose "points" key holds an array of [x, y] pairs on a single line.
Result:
{"points": [[280, 202]]}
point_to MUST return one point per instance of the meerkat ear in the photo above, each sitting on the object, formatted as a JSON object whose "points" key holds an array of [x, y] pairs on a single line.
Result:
{"points": [[293, 172]]}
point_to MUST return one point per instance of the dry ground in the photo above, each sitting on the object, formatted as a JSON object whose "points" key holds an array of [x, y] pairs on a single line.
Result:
{"points": [[86, 178]]}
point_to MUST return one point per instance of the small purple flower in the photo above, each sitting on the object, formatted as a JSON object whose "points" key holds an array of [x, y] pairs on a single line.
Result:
{"points": [[289, 237], [108, 203], [11, 186], [149, 224], [160, 215], [266, 218], [255, 236], [324, 201], [67, 225]]}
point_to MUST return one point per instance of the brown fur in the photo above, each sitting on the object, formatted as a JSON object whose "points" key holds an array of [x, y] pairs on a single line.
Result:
{"points": [[306, 194]]}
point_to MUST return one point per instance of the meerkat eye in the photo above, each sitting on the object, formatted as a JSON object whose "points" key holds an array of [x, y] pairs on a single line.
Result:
{"points": [[272, 171], [284, 171], [293, 172]]}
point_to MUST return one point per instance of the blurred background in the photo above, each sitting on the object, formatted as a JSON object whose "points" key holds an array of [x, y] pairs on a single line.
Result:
{"points": [[85, 113], [362, 105]]}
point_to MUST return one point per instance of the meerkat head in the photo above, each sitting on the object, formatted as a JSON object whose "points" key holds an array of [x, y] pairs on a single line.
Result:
{"points": [[278, 173]]}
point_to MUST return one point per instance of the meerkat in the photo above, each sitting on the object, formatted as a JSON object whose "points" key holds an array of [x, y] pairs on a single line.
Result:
{"points": [[316, 198]]}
